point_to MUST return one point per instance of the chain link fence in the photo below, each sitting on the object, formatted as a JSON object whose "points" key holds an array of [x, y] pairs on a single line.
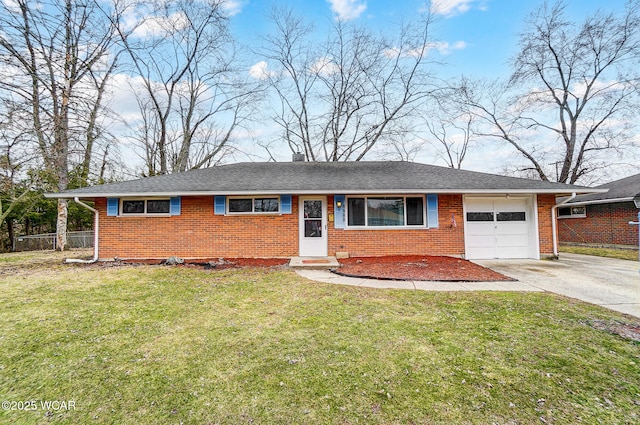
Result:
{"points": [[83, 239]]}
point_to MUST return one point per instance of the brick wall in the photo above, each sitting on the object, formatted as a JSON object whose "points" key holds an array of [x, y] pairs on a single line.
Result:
{"points": [[545, 228], [445, 240], [606, 224], [198, 233]]}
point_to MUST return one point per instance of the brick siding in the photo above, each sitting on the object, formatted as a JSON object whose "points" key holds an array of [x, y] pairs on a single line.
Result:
{"points": [[445, 240], [606, 224], [198, 233], [545, 227]]}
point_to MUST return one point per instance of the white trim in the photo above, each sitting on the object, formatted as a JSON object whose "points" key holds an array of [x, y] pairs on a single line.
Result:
{"points": [[571, 214], [486, 192], [601, 201], [536, 227]]}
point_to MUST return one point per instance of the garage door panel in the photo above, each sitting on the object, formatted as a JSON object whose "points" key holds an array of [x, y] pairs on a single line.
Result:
{"points": [[510, 228], [512, 252], [513, 240], [482, 229], [506, 235]]}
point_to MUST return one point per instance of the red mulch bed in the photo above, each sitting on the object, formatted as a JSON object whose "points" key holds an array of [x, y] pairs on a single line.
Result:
{"points": [[418, 267]]}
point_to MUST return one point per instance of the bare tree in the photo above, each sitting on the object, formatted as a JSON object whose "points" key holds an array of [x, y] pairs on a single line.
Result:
{"points": [[193, 99], [16, 159], [56, 62], [573, 93], [338, 100]]}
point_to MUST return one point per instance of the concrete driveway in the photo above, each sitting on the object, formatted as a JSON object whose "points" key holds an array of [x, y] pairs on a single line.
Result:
{"points": [[608, 282]]}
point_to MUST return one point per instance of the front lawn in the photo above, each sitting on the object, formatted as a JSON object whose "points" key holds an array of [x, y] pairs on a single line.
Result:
{"points": [[622, 254], [161, 344]]}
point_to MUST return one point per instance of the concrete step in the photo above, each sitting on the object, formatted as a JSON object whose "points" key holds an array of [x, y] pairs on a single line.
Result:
{"points": [[314, 263]]}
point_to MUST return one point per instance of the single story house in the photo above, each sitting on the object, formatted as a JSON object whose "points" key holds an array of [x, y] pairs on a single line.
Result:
{"points": [[602, 218], [278, 209]]}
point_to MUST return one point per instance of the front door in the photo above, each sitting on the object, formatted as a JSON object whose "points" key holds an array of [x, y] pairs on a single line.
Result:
{"points": [[313, 226]]}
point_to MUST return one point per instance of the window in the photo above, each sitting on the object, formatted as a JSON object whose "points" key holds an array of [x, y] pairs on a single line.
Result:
{"points": [[391, 211], [253, 205], [355, 208], [479, 216], [511, 216], [145, 206], [158, 206], [572, 212]]}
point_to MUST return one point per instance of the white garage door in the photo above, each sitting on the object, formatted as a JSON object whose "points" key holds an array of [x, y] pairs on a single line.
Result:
{"points": [[499, 228]]}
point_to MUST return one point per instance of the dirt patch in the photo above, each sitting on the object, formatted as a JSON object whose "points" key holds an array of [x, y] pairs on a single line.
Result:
{"points": [[625, 330], [218, 263], [413, 267]]}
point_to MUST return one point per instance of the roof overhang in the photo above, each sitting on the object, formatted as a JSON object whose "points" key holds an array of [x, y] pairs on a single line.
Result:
{"points": [[64, 195], [601, 201]]}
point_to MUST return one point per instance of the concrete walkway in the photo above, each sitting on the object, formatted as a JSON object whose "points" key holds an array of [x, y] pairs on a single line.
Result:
{"points": [[611, 283]]}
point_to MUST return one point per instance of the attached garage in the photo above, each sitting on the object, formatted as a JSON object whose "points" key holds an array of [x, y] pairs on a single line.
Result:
{"points": [[500, 227]]}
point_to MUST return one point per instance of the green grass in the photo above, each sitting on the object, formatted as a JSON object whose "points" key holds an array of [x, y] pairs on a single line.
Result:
{"points": [[623, 254], [156, 345]]}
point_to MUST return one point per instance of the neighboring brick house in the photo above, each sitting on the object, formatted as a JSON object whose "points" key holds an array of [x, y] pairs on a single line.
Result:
{"points": [[602, 218], [319, 209]]}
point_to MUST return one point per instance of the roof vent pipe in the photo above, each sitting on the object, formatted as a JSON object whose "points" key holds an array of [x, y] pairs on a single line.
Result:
{"points": [[298, 157]]}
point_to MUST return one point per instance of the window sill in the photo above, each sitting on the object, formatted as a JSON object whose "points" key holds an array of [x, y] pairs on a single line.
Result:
{"points": [[145, 215], [388, 228], [250, 214]]}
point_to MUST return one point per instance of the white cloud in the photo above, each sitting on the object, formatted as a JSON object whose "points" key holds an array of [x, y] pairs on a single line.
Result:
{"points": [[11, 5], [260, 71], [233, 7], [347, 9], [325, 66], [450, 7], [442, 47], [160, 26]]}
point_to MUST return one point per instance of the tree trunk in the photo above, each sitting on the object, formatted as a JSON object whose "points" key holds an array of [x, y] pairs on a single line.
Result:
{"points": [[61, 228]]}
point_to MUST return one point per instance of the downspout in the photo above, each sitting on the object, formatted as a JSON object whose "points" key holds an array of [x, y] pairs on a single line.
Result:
{"points": [[96, 222], [553, 223]]}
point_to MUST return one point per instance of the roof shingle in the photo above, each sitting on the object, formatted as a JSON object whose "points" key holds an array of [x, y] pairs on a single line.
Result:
{"points": [[322, 177], [623, 189]]}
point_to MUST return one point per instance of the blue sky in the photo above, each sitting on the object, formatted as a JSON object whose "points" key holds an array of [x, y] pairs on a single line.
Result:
{"points": [[481, 34], [478, 38]]}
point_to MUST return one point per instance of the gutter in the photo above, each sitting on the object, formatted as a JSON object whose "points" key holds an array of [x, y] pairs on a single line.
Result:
{"points": [[553, 222], [96, 222], [303, 192]]}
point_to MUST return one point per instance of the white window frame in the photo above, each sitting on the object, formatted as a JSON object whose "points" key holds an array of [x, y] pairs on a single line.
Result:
{"points": [[366, 226], [253, 200], [121, 212], [572, 215]]}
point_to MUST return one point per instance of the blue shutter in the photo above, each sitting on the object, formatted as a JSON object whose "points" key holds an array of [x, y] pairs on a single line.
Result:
{"points": [[174, 205], [112, 206], [285, 204], [432, 210], [338, 213], [219, 205]]}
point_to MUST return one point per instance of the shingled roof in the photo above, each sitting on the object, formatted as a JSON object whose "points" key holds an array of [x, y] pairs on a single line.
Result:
{"points": [[622, 190], [321, 177]]}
